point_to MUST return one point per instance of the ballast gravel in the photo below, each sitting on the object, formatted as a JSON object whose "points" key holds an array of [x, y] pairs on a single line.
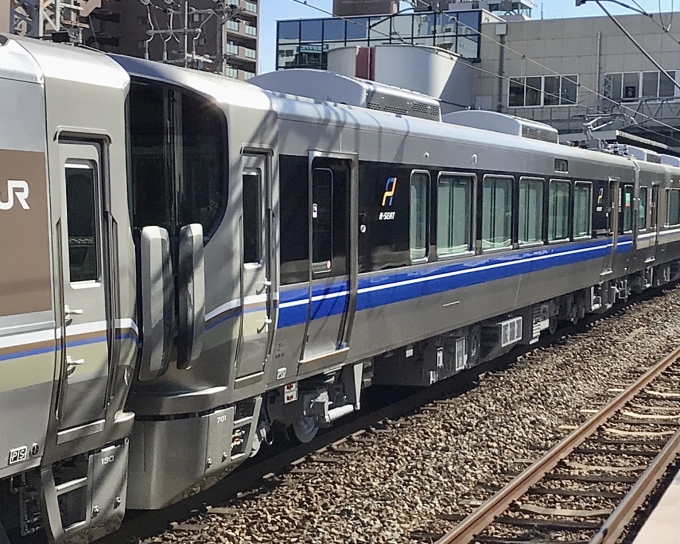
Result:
{"points": [[401, 479]]}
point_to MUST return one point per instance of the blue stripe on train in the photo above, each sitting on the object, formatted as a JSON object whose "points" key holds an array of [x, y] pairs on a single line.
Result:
{"points": [[400, 286]]}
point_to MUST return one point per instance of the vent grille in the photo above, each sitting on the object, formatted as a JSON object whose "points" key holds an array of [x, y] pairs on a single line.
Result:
{"points": [[421, 108], [392, 109], [373, 106], [511, 331]]}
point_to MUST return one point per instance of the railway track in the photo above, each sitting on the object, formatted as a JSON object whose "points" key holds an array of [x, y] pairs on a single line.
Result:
{"points": [[611, 464]]}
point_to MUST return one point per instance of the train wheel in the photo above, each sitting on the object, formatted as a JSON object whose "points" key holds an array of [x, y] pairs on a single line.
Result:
{"points": [[305, 429]]}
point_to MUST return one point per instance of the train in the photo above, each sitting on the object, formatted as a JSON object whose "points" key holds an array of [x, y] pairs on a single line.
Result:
{"points": [[190, 263]]}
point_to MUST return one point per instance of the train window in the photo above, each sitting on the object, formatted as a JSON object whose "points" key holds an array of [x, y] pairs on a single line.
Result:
{"points": [[454, 214], [322, 220], [177, 150], [642, 209], [252, 218], [654, 211], [497, 212], [626, 208], [530, 210], [558, 210], [418, 215], [582, 207], [81, 211], [672, 207]]}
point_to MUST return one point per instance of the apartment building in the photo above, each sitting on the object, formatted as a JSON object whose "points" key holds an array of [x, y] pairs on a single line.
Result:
{"points": [[214, 36]]}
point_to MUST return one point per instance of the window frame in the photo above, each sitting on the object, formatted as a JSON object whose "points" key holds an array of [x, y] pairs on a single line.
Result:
{"points": [[541, 241], [472, 217], [569, 211], [644, 188], [427, 206], [622, 208], [588, 236], [522, 81], [511, 245]]}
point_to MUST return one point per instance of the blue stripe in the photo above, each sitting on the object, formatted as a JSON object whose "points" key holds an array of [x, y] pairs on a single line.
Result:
{"points": [[27, 353], [427, 280]]}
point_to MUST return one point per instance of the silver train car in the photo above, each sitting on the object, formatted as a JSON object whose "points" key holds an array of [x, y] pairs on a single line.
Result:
{"points": [[190, 262]]}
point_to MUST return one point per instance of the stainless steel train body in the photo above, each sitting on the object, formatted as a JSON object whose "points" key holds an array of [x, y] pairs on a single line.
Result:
{"points": [[239, 258]]}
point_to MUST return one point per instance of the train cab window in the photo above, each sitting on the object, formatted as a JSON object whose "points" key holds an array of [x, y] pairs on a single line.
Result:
{"points": [[252, 217], [642, 209], [530, 210], [582, 207], [497, 212], [418, 215], [82, 214], [672, 207], [626, 209], [177, 145], [322, 220], [454, 214], [558, 210]]}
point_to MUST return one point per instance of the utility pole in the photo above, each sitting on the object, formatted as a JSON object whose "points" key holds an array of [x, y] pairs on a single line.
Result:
{"points": [[59, 19]]}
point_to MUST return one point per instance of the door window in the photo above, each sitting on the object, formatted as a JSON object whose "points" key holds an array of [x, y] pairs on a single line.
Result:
{"points": [[252, 218], [642, 209], [673, 207], [626, 207], [322, 220], [82, 214], [655, 206]]}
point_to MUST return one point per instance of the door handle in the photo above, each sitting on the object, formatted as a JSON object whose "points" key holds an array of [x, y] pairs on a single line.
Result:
{"points": [[71, 365], [265, 327], [70, 312], [267, 283]]}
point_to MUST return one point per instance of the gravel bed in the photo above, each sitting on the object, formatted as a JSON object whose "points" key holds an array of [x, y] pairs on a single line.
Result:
{"points": [[404, 477]]}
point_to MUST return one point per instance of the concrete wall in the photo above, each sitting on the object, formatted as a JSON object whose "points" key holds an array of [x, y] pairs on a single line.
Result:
{"points": [[4, 15], [570, 46]]}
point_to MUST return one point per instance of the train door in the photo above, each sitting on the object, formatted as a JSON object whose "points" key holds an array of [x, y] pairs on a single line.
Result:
{"points": [[654, 224], [258, 278], [86, 326], [611, 205], [332, 259]]}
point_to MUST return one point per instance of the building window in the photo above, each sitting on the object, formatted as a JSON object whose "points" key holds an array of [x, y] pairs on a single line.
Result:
{"points": [[536, 91], [497, 212], [639, 85], [231, 72], [200, 41], [251, 6], [250, 53], [198, 17], [251, 30], [141, 44], [454, 214], [232, 25], [248, 75]]}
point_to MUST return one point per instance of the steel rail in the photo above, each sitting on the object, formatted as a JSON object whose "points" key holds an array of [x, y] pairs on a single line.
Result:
{"points": [[624, 512], [481, 518]]}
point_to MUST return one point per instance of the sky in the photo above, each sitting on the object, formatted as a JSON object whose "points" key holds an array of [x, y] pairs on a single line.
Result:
{"points": [[274, 10]]}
